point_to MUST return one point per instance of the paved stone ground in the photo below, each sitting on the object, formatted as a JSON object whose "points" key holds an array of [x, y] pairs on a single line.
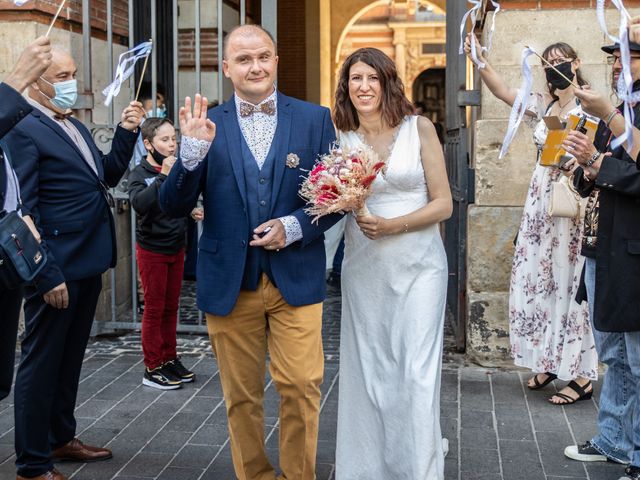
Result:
{"points": [[498, 429]]}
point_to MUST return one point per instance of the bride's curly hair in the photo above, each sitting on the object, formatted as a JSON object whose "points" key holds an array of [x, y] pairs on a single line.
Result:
{"points": [[394, 105]]}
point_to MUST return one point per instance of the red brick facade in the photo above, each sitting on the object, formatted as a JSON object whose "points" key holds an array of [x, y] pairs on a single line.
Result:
{"points": [[292, 48], [42, 11], [208, 49]]}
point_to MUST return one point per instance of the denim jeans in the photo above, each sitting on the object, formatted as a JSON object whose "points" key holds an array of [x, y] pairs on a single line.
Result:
{"points": [[618, 436]]}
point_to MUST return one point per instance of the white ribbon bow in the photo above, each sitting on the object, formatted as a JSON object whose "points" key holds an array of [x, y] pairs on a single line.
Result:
{"points": [[520, 104], [126, 65], [625, 81], [19, 3]]}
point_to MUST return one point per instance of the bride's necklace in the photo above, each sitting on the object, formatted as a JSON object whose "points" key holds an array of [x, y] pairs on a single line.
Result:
{"points": [[388, 150]]}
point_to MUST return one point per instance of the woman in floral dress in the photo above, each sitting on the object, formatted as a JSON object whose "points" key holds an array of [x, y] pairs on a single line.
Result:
{"points": [[549, 332]]}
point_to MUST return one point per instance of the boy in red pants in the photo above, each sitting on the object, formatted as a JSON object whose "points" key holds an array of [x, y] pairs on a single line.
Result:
{"points": [[160, 254]]}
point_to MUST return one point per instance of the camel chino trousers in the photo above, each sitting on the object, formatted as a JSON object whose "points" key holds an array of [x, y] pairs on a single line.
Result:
{"points": [[263, 320]]}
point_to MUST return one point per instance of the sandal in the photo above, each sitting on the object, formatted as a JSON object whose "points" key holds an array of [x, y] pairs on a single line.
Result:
{"points": [[550, 378], [581, 391]]}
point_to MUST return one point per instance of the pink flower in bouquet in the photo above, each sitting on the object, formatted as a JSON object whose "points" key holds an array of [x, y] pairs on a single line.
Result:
{"points": [[340, 181]]}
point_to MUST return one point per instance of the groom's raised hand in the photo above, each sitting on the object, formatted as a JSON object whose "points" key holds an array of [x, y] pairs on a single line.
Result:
{"points": [[179, 194], [194, 122]]}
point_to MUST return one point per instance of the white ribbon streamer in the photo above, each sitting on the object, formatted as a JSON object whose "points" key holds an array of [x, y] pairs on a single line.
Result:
{"points": [[493, 26], [19, 3], [624, 87], [126, 65], [520, 104], [477, 5]]}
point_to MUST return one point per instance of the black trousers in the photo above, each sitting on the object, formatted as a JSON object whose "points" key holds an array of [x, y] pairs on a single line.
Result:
{"points": [[10, 302], [47, 381]]}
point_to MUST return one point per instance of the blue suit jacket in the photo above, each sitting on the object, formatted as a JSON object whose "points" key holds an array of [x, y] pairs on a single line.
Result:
{"points": [[65, 196], [298, 270], [13, 108]]}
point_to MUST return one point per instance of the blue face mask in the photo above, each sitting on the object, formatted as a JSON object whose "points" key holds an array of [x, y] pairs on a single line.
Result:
{"points": [[66, 93], [160, 112]]}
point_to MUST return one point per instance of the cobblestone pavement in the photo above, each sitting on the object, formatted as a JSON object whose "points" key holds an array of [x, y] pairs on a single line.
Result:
{"points": [[497, 428]]}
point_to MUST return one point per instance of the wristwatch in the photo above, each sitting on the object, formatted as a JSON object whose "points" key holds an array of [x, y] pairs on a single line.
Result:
{"points": [[593, 158]]}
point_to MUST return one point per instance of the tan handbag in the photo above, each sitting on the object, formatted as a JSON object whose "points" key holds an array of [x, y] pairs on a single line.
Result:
{"points": [[565, 201]]}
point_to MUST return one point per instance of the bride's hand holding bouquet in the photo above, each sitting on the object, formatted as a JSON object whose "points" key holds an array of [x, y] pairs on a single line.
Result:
{"points": [[340, 182]]}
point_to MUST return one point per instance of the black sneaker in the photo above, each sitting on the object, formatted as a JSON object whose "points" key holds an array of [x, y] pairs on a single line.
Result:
{"points": [[632, 473], [176, 367], [586, 453], [161, 378]]}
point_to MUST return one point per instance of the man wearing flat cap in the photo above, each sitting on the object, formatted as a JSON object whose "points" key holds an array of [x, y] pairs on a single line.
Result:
{"points": [[611, 277]]}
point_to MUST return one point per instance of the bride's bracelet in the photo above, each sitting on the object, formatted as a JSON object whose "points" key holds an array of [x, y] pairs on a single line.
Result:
{"points": [[406, 228]]}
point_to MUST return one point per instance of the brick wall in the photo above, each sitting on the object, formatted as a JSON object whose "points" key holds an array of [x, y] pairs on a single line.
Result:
{"points": [[292, 69], [42, 11], [208, 49], [208, 40], [549, 4]]}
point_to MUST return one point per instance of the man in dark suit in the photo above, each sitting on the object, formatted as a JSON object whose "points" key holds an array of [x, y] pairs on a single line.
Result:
{"points": [[261, 263], [611, 277], [33, 61], [64, 180]]}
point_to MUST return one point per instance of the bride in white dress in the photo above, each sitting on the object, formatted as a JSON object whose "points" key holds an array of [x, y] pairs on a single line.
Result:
{"points": [[394, 281]]}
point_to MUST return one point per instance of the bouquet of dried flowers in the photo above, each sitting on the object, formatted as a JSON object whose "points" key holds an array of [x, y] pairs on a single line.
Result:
{"points": [[341, 181]]}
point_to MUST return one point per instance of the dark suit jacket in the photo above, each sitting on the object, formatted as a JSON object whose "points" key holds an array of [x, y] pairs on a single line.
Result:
{"points": [[13, 108], [617, 295], [298, 270], [66, 198]]}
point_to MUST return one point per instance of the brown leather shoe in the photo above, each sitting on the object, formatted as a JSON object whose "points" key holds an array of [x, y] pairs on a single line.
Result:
{"points": [[50, 475], [76, 451]]}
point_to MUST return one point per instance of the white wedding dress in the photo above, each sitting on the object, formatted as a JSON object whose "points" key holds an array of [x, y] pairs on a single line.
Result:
{"points": [[393, 305]]}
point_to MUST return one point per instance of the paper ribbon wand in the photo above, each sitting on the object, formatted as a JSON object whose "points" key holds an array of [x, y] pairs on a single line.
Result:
{"points": [[144, 69], [126, 67], [473, 11], [19, 3], [477, 5], [493, 26], [520, 103], [55, 17], [551, 66], [624, 88]]}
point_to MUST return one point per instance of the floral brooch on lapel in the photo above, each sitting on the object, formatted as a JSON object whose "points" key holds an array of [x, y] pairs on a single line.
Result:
{"points": [[293, 160]]}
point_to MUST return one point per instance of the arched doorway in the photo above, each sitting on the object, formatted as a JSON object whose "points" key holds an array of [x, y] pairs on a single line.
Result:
{"points": [[412, 34], [429, 93]]}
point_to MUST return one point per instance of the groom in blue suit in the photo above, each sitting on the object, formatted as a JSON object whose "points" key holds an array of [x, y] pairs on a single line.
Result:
{"points": [[261, 262]]}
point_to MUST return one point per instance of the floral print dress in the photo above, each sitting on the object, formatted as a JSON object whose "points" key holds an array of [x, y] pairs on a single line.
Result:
{"points": [[549, 331]]}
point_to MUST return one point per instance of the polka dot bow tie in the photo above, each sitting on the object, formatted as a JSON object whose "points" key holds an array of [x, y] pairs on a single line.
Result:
{"points": [[268, 108]]}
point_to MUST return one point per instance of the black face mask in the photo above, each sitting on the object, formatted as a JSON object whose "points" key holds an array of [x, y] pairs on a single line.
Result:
{"points": [[556, 80], [157, 156]]}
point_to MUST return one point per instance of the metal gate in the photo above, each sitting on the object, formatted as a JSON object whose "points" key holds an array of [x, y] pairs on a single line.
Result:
{"points": [[159, 20], [459, 171]]}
